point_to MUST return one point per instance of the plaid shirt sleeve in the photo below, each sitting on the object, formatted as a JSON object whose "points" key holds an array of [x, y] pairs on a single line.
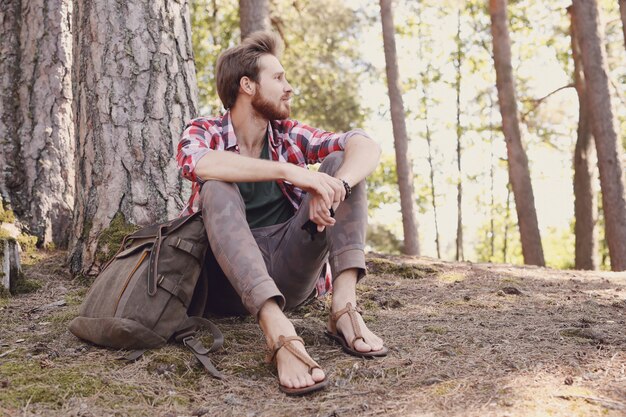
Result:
{"points": [[317, 144], [199, 138]]}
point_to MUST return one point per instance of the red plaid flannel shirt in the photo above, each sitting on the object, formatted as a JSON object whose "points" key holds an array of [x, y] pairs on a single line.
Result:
{"points": [[290, 140]]}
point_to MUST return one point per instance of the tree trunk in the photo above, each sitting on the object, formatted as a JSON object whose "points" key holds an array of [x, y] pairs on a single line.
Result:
{"points": [[459, 133], [585, 204], [45, 174], [603, 127], [622, 11], [519, 174], [253, 15], [403, 162], [135, 87], [9, 103]]}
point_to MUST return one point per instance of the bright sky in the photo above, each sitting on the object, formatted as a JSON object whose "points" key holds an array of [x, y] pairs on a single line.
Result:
{"points": [[551, 169]]}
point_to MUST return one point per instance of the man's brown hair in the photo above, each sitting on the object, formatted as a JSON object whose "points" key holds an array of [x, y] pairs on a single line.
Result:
{"points": [[243, 61]]}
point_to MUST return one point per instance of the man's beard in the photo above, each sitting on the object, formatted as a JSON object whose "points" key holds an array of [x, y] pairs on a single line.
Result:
{"points": [[267, 109]]}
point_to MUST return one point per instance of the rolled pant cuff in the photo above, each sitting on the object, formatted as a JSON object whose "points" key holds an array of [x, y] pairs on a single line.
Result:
{"points": [[348, 258], [254, 299]]}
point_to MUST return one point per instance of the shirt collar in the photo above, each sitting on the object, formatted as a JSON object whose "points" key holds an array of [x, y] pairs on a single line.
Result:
{"points": [[228, 131]]}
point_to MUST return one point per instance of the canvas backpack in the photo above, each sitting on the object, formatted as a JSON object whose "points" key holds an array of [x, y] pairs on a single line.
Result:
{"points": [[149, 294]]}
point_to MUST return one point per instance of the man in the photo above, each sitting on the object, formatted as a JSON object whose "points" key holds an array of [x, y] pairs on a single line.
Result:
{"points": [[272, 223]]}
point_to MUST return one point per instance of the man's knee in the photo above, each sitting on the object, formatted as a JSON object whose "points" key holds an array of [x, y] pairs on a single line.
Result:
{"points": [[332, 162], [214, 191]]}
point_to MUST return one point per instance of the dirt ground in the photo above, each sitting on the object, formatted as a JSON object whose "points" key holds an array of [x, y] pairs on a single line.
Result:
{"points": [[465, 340]]}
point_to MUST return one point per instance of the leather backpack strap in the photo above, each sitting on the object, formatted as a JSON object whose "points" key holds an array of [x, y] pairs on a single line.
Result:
{"points": [[200, 352], [186, 335], [152, 265]]}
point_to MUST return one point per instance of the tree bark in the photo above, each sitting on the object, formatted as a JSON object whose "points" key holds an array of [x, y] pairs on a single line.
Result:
{"points": [[135, 87], [9, 103], [622, 12], [603, 127], [585, 203], [519, 174], [404, 168], [253, 15], [45, 174]]}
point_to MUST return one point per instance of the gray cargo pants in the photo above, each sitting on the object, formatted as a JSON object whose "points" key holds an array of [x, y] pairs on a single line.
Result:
{"points": [[244, 268]]}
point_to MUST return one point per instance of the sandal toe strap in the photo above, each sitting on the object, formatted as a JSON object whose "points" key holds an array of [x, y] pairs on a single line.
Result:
{"points": [[286, 342]]}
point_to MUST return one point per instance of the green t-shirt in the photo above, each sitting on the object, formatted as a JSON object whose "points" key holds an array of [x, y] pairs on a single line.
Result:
{"points": [[266, 205]]}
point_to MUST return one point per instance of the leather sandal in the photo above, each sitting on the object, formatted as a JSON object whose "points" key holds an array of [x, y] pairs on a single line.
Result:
{"points": [[348, 347], [285, 342]]}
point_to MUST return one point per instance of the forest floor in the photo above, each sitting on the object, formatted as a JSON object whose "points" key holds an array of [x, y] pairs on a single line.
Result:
{"points": [[465, 340]]}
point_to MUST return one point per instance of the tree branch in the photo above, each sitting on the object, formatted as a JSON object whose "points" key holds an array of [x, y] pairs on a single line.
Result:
{"points": [[536, 102]]}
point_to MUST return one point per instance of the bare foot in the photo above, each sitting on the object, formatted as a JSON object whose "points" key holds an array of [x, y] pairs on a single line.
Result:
{"points": [[369, 343], [294, 373]]}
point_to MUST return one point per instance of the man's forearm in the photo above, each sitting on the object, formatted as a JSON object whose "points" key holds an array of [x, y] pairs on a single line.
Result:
{"points": [[361, 158], [232, 167]]}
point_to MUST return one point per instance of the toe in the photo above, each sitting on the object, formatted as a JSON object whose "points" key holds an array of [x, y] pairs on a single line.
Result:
{"points": [[318, 375], [361, 346]]}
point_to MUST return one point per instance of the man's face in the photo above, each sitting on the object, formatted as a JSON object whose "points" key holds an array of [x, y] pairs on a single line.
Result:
{"points": [[272, 98]]}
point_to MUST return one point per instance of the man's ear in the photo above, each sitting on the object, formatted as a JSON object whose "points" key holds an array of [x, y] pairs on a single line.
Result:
{"points": [[247, 85]]}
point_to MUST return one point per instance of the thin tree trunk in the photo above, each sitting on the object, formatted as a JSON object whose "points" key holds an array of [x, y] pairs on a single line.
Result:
{"points": [[519, 174], [9, 103], [622, 12], [134, 88], [253, 15], [403, 162], [46, 161], [429, 141], [603, 126], [507, 217], [492, 240], [459, 133], [585, 205]]}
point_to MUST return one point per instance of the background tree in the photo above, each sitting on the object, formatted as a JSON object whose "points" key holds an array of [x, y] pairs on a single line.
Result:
{"points": [[459, 256], [622, 10], [46, 195], [609, 150], [9, 104], [519, 173], [585, 205], [253, 15], [405, 174], [134, 88]]}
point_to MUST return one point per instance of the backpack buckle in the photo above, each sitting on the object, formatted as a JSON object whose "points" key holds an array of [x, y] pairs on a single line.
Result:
{"points": [[187, 340]]}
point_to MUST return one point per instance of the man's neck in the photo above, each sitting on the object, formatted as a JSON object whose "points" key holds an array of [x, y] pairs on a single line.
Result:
{"points": [[249, 127]]}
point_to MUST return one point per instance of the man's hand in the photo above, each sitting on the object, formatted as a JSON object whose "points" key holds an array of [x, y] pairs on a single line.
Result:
{"points": [[326, 192]]}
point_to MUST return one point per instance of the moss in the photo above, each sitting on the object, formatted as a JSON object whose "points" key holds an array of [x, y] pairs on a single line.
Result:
{"points": [[111, 238], [6, 216], [451, 277], [27, 242], [24, 285], [435, 329], [4, 293], [399, 269], [30, 383]]}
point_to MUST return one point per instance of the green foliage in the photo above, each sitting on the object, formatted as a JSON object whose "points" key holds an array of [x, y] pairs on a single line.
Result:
{"points": [[502, 245], [382, 184], [215, 27], [382, 240], [322, 65], [6, 216]]}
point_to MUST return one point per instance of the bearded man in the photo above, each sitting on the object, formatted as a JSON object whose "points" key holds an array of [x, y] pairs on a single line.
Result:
{"points": [[272, 224]]}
